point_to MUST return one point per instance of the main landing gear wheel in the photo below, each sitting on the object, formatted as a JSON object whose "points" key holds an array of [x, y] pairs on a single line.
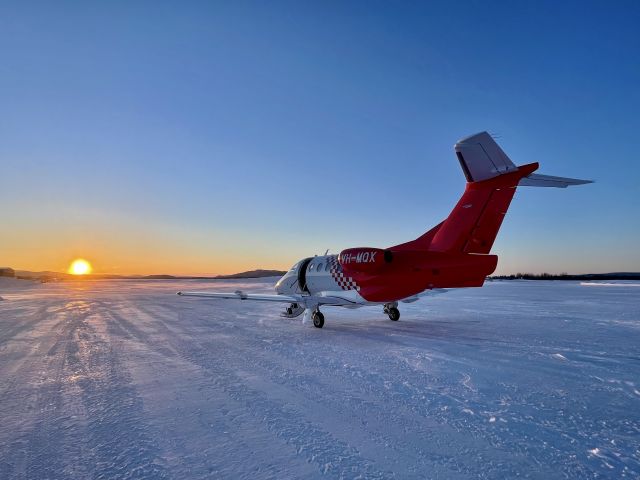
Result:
{"points": [[318, 319], [394, 314]]}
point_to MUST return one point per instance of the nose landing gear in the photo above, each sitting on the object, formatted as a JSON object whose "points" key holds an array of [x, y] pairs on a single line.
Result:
{"points": [[391, 309]]}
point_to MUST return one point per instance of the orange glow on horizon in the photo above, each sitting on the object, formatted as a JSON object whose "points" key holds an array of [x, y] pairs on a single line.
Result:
{"points": [[79, 267]]}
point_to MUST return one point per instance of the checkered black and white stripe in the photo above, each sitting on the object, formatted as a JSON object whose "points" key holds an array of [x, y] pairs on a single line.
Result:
{"points": [[344, 282]]}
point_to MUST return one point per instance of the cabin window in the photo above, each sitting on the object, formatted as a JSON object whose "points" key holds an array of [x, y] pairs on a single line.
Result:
{"points": [[319, 266]]}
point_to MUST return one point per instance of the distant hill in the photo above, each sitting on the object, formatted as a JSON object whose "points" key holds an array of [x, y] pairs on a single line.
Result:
{"points": [[254, 274], [250, 274], [41, 276], [48, 276]]}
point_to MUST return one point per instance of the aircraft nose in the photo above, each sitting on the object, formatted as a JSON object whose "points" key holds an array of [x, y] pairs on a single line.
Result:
{"points": [[281, 285]]}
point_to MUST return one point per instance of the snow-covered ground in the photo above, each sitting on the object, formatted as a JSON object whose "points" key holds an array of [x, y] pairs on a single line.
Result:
{"points": [[124, 379]]}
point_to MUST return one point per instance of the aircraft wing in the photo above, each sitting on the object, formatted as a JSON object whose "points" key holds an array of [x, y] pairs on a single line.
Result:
{"points": [[260, 297], [240, 295]]}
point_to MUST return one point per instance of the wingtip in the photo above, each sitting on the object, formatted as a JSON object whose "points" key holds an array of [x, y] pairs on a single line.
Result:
{"points": [[580, 181]]}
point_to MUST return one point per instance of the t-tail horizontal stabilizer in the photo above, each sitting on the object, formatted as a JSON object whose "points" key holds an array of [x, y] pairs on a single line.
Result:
{"points": [[537, 180], [481, 159]]}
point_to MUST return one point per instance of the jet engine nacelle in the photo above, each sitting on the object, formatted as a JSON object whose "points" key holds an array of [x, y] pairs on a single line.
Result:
{"points": [[364, 259]]}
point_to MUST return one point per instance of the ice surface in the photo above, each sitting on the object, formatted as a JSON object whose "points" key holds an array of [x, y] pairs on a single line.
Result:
{"points": [[124, 379]]}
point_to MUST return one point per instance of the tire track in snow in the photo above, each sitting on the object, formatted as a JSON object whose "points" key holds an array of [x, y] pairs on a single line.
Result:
{"points": [[331, 456], [115, 416], [88, 416], [37, 452], [20, 325], [450, 454], [315, 389]]}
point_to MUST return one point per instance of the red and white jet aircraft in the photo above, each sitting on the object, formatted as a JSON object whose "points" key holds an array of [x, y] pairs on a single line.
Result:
{"points": [[453, 254]]}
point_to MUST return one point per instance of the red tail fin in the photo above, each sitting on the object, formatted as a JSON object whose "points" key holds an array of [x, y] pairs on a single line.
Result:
{"points": [[492, 179], [474, 222]]}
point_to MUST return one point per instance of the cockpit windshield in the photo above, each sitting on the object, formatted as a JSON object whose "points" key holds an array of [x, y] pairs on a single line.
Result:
{"points": [[295, 267]]}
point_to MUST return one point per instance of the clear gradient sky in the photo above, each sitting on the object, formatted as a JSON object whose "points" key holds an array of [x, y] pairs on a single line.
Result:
{"points": [[214, 137]]}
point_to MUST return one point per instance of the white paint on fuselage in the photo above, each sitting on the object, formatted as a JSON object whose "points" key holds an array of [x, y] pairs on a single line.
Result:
{"points": [[320, 284]]}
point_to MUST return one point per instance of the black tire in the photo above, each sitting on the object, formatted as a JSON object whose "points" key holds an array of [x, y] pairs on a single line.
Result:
{"points": [[394, 314], [318, 320]]}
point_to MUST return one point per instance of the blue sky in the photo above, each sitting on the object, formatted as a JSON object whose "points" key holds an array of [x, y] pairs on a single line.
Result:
{"points": [[206, 137]]}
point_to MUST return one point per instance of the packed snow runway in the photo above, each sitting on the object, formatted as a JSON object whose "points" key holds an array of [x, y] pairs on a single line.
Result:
{"points": [[124, 379]]}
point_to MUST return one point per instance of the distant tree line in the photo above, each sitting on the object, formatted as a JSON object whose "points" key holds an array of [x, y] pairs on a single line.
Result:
{"points": [[566, 276]]}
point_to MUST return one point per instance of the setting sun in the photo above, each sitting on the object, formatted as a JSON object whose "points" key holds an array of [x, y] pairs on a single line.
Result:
{"points": [[79, 267]]}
